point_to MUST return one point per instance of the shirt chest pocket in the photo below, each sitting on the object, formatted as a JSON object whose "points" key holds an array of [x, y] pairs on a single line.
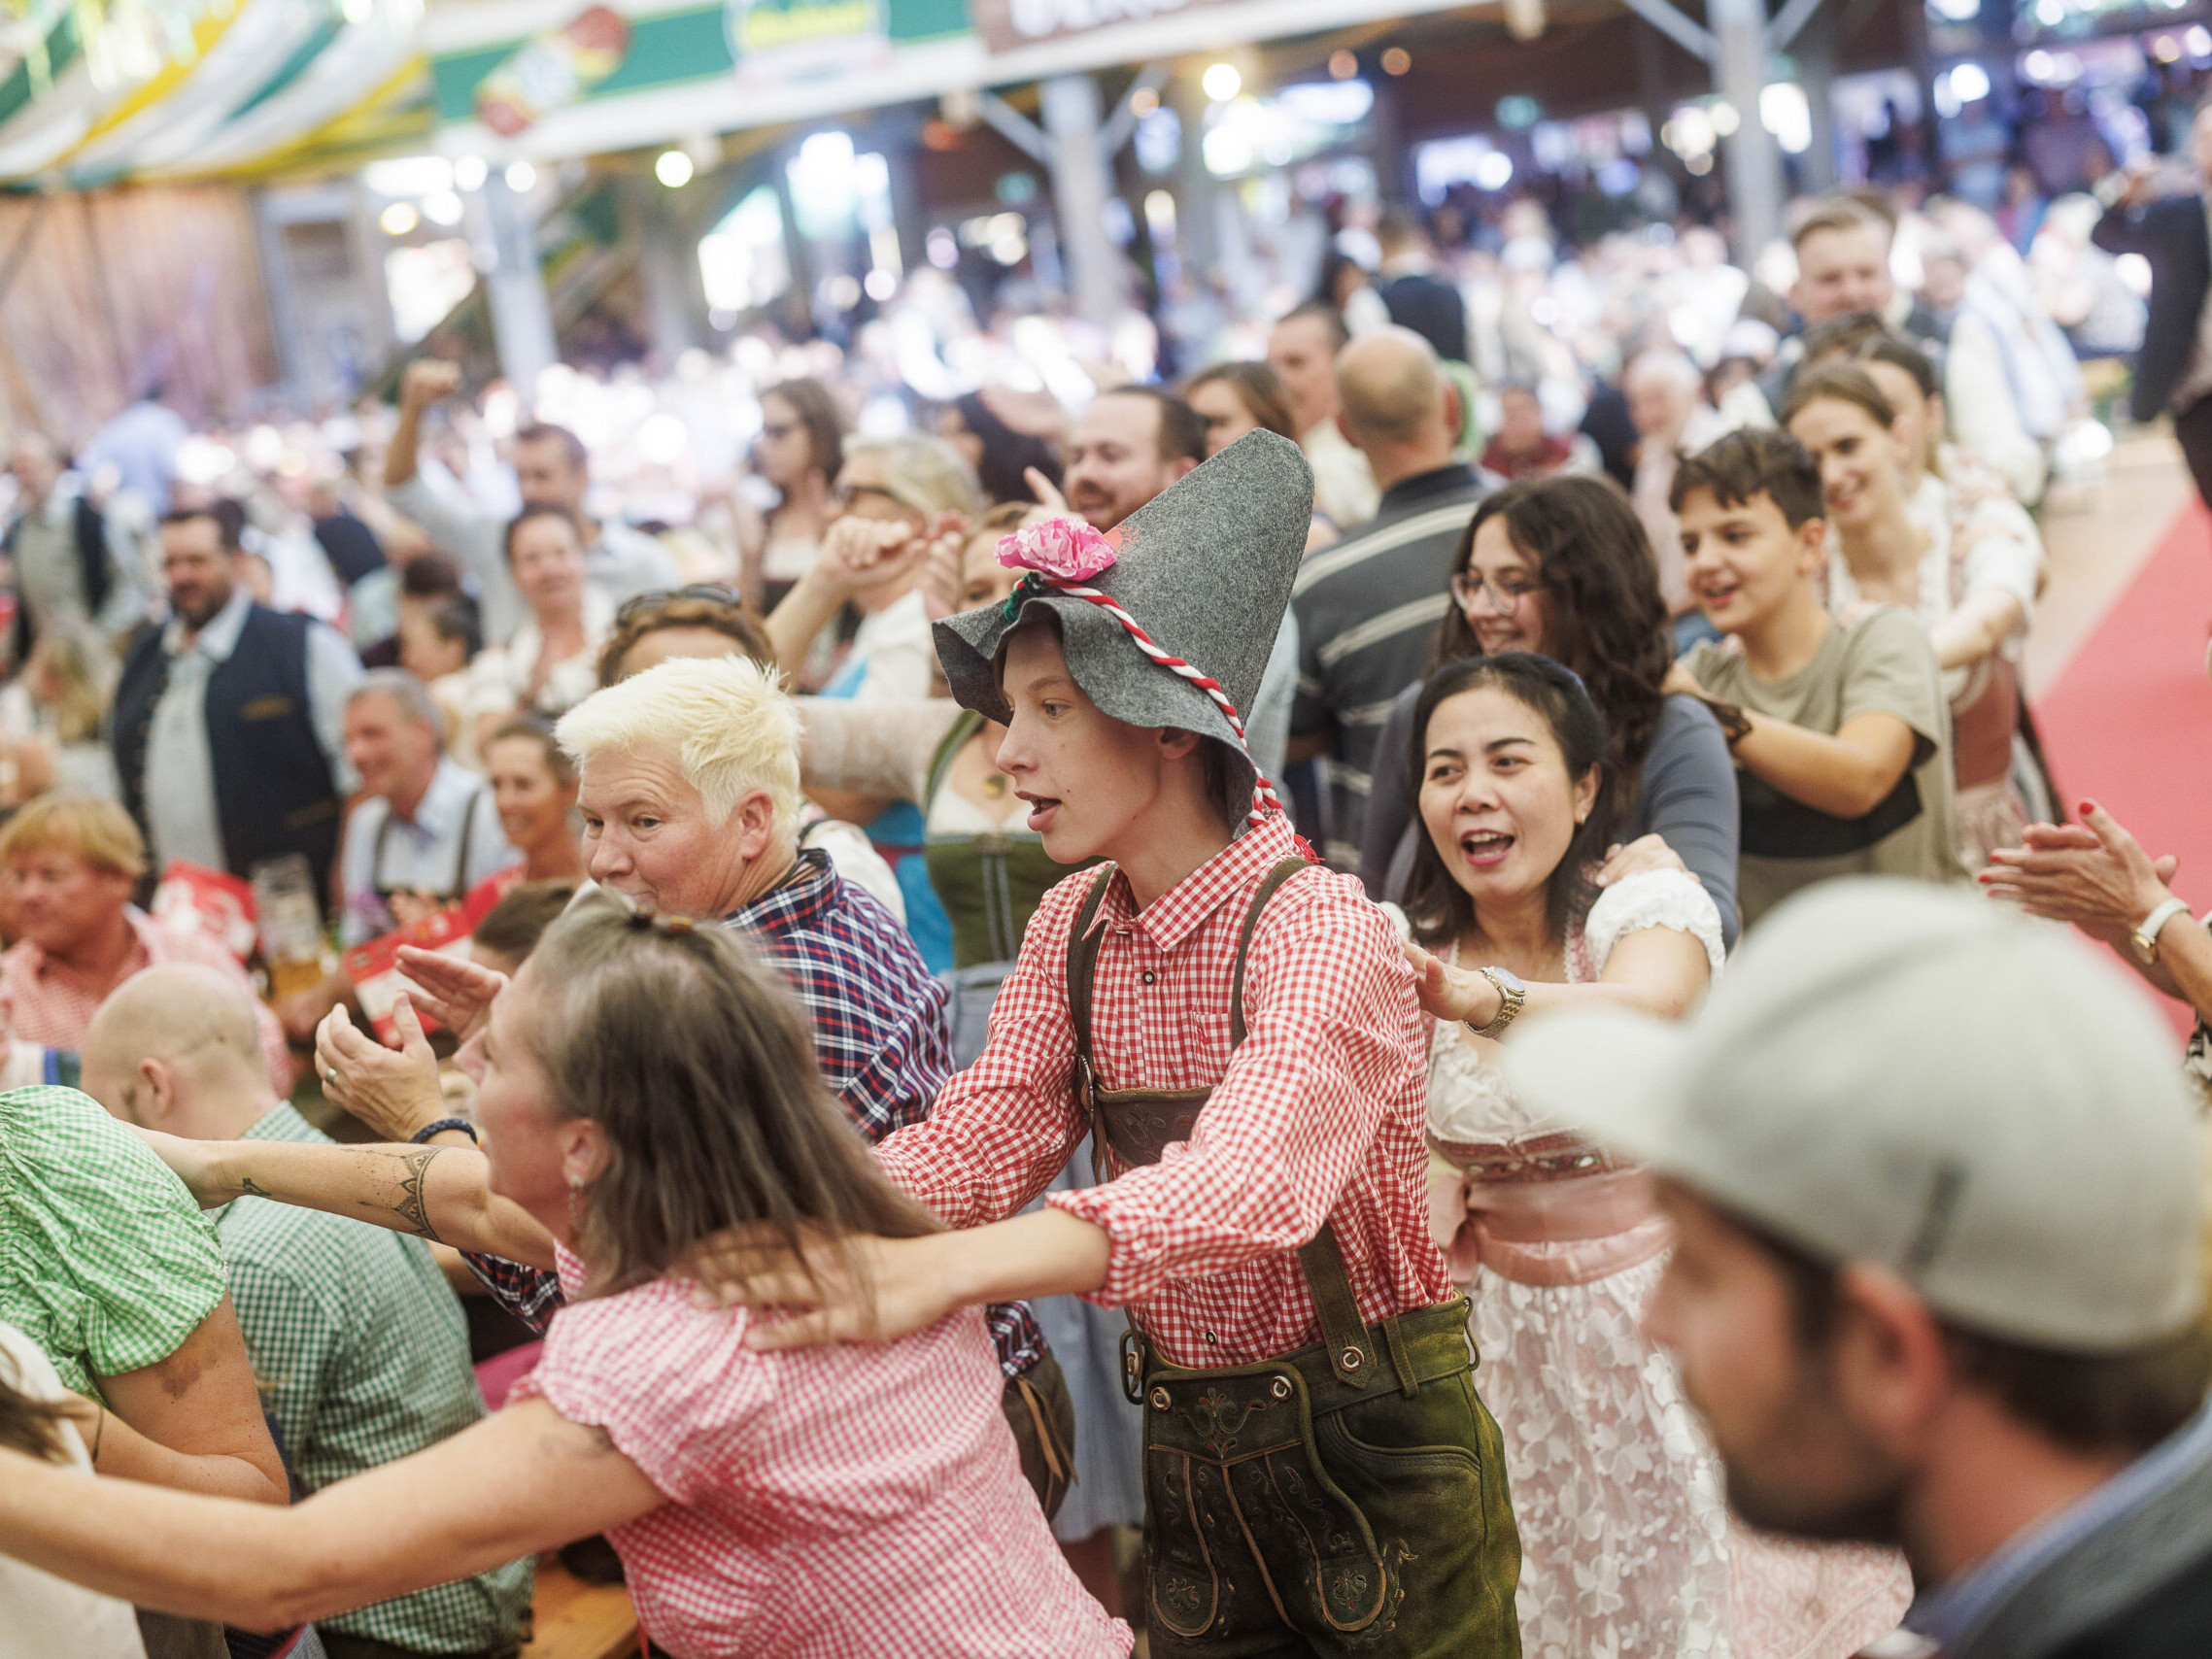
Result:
{"points": [[274, 707]]}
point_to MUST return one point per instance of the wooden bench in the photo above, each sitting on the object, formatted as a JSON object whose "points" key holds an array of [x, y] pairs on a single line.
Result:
{"points": [[576, 1620]]}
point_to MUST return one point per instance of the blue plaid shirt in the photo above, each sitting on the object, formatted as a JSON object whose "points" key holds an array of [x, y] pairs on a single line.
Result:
{"points": [[879, 1036]]}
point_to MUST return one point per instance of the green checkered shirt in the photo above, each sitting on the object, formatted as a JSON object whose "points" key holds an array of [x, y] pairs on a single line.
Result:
{"points": [[361, 1352], [105, 1261]]}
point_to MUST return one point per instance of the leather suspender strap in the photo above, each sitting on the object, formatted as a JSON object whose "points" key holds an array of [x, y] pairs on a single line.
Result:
{"points": [[1268, 889], [1083, 963], [1344, 1332]]}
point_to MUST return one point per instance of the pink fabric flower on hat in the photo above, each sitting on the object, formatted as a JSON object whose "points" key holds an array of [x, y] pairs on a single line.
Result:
{"points": [[1065, 549]]}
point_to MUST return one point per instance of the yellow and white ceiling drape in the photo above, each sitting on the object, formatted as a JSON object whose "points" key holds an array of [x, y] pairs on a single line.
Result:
{"points": [[96, 91]]}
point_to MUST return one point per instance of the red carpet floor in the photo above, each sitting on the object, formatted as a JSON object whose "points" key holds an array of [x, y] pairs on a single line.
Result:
{"points": [[2128, 722]]}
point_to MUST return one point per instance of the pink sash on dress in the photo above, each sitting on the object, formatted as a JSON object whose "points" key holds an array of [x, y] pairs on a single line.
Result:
{"points": [[1546, 1209]]}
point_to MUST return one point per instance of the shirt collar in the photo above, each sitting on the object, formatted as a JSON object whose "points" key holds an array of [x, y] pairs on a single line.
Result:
{"points": [[807, 889], [1948, 1615], [445, 805], [141, 928], [1172, 918], [1408, 494], [220, 638]]}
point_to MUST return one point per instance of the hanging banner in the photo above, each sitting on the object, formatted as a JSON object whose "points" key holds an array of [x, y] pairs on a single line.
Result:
{"points": [[774, 41], [551, 71], [1008, 25]]}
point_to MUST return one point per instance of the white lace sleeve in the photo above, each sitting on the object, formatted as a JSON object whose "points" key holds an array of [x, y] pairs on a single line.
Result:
{"points": [[1652, 899]]}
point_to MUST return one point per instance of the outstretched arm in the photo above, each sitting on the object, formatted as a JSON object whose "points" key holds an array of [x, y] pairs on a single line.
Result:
{"points": [[524, 1481], [439, 1193]]}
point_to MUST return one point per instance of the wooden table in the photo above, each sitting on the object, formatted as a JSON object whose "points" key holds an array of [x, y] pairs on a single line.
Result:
{"points": [[576, 1620]]}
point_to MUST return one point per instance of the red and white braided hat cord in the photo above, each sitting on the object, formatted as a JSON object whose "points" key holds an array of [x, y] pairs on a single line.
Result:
{"points": [[1263, 798]]}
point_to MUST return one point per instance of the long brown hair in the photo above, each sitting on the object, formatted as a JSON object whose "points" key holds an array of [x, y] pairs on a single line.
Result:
{"points": [[696, 1059], [1609, 624], [1258, 388], [27, 1425], [816, 407]]}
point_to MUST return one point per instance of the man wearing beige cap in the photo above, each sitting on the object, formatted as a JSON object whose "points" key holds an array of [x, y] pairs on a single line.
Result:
{"points": [[1937, 1190]]}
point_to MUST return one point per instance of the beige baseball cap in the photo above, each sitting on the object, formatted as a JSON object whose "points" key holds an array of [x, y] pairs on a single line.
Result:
{"points": [[1916, 1076]]}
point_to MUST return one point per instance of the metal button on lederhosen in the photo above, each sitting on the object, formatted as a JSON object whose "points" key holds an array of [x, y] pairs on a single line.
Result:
{"points": [[1353, 1492]]}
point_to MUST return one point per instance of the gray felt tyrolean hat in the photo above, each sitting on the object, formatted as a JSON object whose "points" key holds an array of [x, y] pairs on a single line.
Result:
{"points": [[1205, 567]]}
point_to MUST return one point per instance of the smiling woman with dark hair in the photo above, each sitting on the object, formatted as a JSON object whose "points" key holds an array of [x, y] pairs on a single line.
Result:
{"points": [[1556, 1245], [643, 1085], [1563, 567]]}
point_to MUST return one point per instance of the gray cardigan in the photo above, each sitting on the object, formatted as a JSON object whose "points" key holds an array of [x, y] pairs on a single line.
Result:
{"points": [[1687, 795]]}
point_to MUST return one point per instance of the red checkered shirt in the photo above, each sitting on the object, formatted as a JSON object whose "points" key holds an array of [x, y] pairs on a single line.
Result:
{"points": [[830, 1502], [1318, 1118]]}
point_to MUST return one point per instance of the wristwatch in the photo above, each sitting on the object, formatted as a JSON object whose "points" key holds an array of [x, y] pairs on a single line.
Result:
{"points": [[2145, 937], [1512, 994]]}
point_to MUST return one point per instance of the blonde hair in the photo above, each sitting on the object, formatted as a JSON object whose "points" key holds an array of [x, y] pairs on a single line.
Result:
{"points": [[724, 718], [83, 670], [98, 831], [922, 473]]}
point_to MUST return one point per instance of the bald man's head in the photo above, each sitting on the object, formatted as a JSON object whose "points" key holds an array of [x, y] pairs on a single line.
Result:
{"points": [[175, 1048], [1395, 403]]}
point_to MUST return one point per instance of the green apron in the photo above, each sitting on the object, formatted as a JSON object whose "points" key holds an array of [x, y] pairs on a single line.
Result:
{"points": [[1349, 1499]]}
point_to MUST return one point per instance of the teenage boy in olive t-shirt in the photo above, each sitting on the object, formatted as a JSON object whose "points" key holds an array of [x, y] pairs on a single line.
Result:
{"points": [[1839, 733]]}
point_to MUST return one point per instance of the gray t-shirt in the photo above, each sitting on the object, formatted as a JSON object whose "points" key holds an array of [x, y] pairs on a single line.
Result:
{"points": [[1879, 664]]}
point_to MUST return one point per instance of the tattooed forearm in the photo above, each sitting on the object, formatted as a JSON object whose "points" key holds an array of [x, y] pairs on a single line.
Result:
{"points": [[253, 1188], [413, 1212]]}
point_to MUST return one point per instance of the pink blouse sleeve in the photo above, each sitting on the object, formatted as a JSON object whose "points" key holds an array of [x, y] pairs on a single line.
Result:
{"points": [[675, 1389]]}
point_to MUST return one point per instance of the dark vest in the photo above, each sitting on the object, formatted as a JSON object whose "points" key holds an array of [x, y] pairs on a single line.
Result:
{"points": [[273, 790], [91, 532]]}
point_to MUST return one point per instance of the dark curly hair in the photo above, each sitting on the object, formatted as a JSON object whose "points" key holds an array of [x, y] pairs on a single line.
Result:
{"points": [[1436, 906], [1608, 623]]}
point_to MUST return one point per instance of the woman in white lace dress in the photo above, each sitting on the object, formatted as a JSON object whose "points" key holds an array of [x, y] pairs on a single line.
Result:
{"points": [[1628, 1548]]}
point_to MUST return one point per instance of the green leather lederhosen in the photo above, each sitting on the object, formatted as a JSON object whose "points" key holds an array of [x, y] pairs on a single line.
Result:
{"points": [[1349, 1499]]}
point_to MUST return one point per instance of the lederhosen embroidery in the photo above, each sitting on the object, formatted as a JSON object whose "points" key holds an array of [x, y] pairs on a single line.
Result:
{"points": [[1264, 1508]]}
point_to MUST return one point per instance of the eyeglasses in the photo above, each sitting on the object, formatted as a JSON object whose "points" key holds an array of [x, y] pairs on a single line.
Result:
{"points": [[1506, 591], [842, 496]]}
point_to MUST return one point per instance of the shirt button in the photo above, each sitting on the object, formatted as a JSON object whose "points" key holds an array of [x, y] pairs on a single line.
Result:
{"points": [[1148, 976], [1210, 1337]]}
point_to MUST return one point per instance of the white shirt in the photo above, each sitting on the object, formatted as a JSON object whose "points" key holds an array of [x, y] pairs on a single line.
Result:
{"points": [[454, 833], [179, 770], [891, 657], [500, 679], [42, 1615], [1344, 490]]}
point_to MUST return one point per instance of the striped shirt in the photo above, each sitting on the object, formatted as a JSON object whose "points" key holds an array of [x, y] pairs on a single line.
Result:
{"points": [[362, 1354], [105, 1261], [1368, 610]]}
